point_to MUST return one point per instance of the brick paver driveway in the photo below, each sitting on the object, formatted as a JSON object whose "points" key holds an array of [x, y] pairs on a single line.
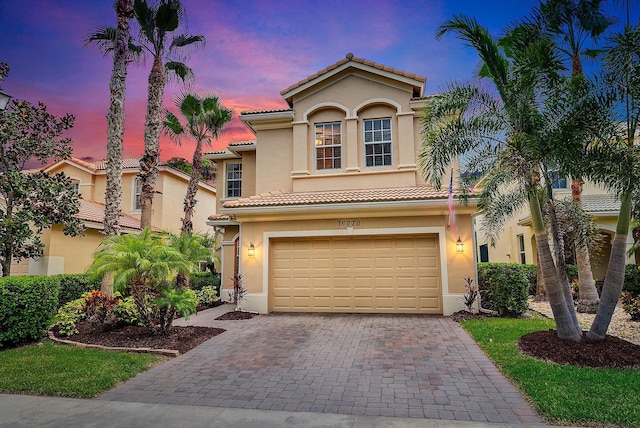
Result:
{"points": [[387, 365]]}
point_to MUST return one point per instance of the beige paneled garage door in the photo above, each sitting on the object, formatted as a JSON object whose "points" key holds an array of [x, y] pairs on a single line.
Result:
{"points": [[377, 274]]}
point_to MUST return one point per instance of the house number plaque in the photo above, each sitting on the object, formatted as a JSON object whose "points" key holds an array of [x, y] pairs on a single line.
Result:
{"points": [[349, 223]]}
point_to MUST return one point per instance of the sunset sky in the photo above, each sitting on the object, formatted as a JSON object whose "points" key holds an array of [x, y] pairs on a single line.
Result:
{"points": [[253, 50]]}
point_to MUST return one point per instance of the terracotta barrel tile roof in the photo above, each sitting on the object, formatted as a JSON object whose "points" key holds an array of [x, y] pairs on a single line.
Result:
{"points": [[94, 211], [350, 57], [280, 198]]}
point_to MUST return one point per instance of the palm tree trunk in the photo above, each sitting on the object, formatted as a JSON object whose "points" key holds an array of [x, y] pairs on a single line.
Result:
{"points": [[115, 119], [588, 298], [190, 197], [614, 278], [561, 265], [564, 322], [149, 161]]}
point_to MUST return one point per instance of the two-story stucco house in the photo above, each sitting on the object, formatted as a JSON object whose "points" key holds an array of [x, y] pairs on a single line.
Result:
{"points": [[327, 211], [66, 254]]}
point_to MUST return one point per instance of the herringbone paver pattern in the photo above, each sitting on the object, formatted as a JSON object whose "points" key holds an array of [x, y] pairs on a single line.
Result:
{"points": [[384, 365]]}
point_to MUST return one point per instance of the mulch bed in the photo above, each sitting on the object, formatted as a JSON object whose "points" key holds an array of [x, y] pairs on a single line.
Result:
{"points": [[546, 346], [236, 315], [181, 339], [610, 352]]}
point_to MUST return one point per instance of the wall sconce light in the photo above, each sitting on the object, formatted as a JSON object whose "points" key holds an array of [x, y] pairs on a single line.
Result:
{"points": [[459, 246], [252, 250]]}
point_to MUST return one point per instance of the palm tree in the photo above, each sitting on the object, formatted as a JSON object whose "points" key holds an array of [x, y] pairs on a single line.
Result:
{"points": [[204, 118], [616, 161], [140, 264], [505, 131], [574, 22], [158, 23], [117, 41]]}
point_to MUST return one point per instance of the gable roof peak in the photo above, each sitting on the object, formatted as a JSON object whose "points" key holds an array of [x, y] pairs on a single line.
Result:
{"points": [[417, 82]]}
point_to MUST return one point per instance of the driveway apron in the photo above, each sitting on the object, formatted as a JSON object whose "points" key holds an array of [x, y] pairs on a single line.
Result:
{"points": [[381, 365]]}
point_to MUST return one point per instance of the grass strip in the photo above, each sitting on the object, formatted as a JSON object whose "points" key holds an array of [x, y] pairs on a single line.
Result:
{"points": [[561, 394], [67, 371]]}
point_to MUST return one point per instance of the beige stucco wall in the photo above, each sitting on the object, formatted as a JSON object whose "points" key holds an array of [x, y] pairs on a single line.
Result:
{"points": [[66, 254]]}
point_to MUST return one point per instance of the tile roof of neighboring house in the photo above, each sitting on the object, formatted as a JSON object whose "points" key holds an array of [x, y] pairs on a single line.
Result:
{"points": [[600, 203], [349, 57], [94, 211], [278, 110], [339, 196], [126, 163], [219, 217]]}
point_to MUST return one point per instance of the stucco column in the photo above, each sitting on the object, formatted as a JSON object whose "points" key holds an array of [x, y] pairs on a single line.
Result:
{"points": [[351, 142], [300, 148], [407, 149]]}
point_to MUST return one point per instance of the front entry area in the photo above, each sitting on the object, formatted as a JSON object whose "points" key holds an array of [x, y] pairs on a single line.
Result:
{"points": [[356, 274]]}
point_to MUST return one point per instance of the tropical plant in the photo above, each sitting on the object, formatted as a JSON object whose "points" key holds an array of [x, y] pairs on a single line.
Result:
{"points": [[116, 41], [239, 290], [506, 128], [615, 159], [573, 22], [159, 23], [142, 264], [202, 121], [32, 202]]}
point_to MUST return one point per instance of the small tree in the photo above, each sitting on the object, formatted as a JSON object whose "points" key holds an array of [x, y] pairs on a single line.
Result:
{"points": [[30, 203], [145, 265]]}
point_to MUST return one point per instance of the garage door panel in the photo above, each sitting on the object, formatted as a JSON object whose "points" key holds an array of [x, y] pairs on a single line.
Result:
{"points": [[356, 274]]}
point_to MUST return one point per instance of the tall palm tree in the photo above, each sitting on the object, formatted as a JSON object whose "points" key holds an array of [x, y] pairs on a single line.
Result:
{"points": [[616, 161], [158, 23], [116, 41], [504, 130], [573, 22], [203, 119]]}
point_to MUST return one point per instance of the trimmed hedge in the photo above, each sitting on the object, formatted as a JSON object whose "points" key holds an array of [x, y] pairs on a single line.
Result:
{"points": [[197, 280], [72, 286], [27, 305], [505, 286]]}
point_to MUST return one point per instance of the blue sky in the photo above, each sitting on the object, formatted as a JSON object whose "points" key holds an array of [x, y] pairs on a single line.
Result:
{"points": [[254, 49]]}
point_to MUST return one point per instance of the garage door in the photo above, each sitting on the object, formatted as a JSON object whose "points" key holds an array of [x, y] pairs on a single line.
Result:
{"points": [[376, 274]]}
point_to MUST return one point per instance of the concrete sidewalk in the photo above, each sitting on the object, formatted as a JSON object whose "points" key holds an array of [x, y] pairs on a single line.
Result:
{"points": [[33, 411]]}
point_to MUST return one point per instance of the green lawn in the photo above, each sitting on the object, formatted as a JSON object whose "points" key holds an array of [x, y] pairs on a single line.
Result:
{"points": [[562, 394], [50, 369]]}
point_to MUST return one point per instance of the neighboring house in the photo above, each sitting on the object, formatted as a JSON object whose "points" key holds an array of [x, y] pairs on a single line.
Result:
{"points": [[327, 211], [516, 243], [65, 254]]}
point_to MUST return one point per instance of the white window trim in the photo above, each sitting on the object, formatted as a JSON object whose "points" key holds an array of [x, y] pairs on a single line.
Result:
{"points": [[135, 200], [315, 146], [364, 143], [226, 180]]}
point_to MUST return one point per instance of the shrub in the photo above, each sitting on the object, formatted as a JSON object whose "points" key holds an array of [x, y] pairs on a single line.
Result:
{"points": [[198, 280], [207, 295], [631, 305], [126, 311], [69, 315], [27, 305], [531, 271], [632, 278], [471, 293], [572, 272], [72, 286], [505, 287], [98, 306]]}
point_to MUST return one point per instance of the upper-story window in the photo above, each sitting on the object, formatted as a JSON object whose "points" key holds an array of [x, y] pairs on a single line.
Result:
{"points": [[558, 181], [137, 192], [76, 186], [377, 142], [328, 146], [234, 180]]}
